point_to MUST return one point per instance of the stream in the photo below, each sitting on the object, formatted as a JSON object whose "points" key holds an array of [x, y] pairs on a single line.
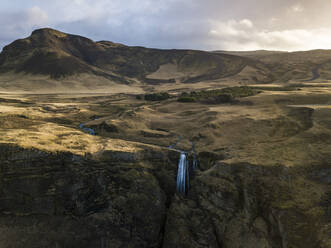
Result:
{"points": [[87, 129]]}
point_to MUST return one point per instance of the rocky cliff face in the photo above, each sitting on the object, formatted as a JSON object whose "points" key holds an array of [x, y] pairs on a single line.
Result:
{"points": [[69, 201], [243, 205], [61, 200]]}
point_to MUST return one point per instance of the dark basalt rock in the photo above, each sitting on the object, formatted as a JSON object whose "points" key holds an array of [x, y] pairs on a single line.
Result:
{"points": [[52, 201], [208, 159], [243, 205]]}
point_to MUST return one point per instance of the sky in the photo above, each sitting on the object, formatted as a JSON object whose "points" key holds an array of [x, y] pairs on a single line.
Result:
{"points": [[235, 25]]}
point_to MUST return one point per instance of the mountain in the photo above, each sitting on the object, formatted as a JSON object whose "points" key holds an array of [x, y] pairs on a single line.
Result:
{"points": [[50, 60], [59, 55]]}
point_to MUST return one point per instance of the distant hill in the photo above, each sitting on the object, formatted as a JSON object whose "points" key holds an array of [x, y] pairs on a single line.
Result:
{"points": [[59, 55], [285, 66], [257, 54], [50, 58]]}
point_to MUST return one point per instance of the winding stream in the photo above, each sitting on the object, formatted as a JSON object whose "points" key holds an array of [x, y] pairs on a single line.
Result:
{"points": [[87, 129]]}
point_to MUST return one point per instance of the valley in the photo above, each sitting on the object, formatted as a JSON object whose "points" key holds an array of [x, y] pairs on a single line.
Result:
{"points": [[91, 134]]}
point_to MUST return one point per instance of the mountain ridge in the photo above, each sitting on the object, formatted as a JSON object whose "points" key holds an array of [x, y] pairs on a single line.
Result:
{"points": [[61, 57], [51, 52]]}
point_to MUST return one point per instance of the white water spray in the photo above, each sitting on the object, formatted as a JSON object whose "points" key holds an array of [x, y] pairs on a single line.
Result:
{"points": [[183, 175]]}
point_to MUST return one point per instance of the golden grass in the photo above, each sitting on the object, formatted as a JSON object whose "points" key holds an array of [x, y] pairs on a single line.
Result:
{"points": [[52, 138], [257, 130]]}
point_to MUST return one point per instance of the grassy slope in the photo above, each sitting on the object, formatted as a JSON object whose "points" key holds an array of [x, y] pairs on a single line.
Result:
{"points": [[59, 55], [286, 66]]}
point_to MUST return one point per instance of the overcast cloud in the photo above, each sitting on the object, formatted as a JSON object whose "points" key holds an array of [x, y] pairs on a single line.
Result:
{"points": [[207, 25]]}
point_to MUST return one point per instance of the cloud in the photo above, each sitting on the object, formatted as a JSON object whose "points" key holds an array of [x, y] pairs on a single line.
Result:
{"points": [[297, 8], [231, 29], [247, 23], [20, 23], [209, 24], [235, 35], [35, 17], [78, 1]]}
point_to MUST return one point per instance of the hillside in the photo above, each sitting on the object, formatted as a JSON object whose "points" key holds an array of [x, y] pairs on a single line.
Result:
{"points": [[53, 61], [60, 56], [292, 66]]}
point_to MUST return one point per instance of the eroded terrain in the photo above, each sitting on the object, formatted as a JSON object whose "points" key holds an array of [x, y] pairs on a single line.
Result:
{"points": [[264, 177]]}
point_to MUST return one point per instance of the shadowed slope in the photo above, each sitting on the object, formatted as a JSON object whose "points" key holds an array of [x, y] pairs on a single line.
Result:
{"points": [[50, 52], [286, 66]]}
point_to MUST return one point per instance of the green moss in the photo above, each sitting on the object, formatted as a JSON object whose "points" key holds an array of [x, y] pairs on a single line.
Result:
{"points": [[225, 95], [157, 96]]}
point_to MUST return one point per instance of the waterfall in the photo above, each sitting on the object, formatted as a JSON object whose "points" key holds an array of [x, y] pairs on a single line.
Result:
{"points": [[182, 175]]}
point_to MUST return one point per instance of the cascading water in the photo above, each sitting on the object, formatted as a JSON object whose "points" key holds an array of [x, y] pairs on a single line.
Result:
{"points": [[183, 175]]}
